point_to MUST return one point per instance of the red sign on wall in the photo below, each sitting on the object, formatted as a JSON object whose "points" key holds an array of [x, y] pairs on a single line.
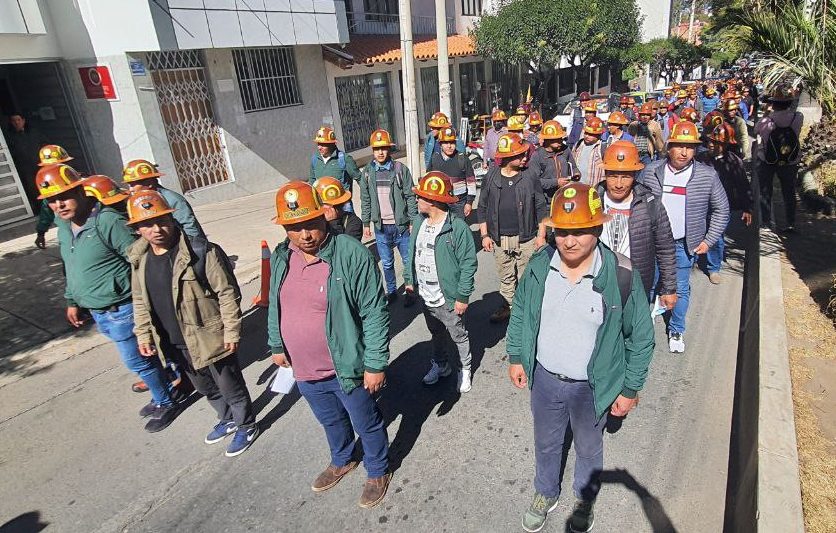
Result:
{"points": [[98, 85]]}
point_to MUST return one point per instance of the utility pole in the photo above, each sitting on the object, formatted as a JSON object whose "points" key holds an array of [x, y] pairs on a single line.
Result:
{"points": [[410, 106], [691, 22], [443, 59]]}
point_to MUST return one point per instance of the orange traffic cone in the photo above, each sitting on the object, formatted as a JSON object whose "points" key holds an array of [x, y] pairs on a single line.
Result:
{"points": [[262, 298]]}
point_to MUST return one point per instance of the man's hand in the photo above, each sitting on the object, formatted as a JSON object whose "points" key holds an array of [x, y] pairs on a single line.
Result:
{"points": [[746, 217], [562, 182], [540, 241], [74, 317], [487, 243], [702, 248], [40, 241], [623, 405], [279, 359], [459, 308], [367, 232], [517, 375], [467, 210], [408, 288], [329, 212], [668, 300], [147, 350], [373, 382], [231, 347]]}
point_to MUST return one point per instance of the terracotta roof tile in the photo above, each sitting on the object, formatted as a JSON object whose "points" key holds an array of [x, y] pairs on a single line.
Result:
{"points": [[368, 50]]}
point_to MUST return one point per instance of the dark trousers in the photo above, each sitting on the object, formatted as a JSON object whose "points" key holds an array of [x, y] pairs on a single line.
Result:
{"points": [[223, 385], [786, 176], [341, 414], [555, 405]]}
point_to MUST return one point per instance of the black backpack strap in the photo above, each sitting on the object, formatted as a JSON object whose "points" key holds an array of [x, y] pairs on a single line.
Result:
{"points": [[624, 274]]}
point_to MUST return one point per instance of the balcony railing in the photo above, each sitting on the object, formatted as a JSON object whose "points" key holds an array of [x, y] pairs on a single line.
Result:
{"points": [[387, 24]]}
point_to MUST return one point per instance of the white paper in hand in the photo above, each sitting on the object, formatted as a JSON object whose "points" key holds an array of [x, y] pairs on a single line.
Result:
{"points": [[284, 381], [658, 308]]}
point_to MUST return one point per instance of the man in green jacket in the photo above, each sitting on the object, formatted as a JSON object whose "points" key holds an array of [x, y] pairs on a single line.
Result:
{"points": [[186, 310], [94, 240], [442, 262], [331, 161], [327, 319], [389, 204], [580, 336]]}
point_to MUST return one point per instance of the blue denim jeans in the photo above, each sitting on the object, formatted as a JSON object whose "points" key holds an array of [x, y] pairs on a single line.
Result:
{"points": [[386, 241], [341, 414], [118, 326], [714, 256], [556, 404], [684, 264]]}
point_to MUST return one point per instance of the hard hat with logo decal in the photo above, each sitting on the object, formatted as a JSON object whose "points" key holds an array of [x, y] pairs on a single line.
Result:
{"points": [[516, 123], [381, 139], [711, 91], [146, 204], [331, 191], [646, 109], [617, 118], [594, 126], [53, 180], [684, 132], [682, 93], [723, 133], [438, 120], [296, 201], [534, 119], [437, 187], [667, 93], [447, 135], [663, 104], [576, 206], [712, 120], [510, 145], [552, 130], [104, 189], [52, 154], [139, 169], [521, 111], [325, 135], [498, 115], [730, 105], [689, 114], [590, 106], [623, 156]]}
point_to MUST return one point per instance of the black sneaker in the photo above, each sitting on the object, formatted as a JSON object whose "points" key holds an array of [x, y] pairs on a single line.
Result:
{"points": [[148, 409], [162, 418], [582, 519]]}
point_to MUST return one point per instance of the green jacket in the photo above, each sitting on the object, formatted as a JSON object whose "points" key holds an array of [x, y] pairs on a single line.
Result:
{"points": [[46, 217], [183, 213], [208, 317], [625, 341], [357, 320], [96, 264], [332, 168], [400, 195], [455, 259]]}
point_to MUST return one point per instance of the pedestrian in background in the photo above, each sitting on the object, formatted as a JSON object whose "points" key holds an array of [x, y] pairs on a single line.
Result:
{"points": [[535, 124], [498, 121], [552, 161], [432, 145], [743, 147], [647, 135], [333, 162], [334, 198], [24, 142], [456, 165], [588, 152]]}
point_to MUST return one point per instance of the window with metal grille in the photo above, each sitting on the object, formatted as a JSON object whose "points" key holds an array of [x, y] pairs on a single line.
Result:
{"points": [[266, 78], [471, 8]]}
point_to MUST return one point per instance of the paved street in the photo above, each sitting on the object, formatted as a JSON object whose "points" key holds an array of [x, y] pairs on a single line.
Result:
{"points": [[75, 455]]}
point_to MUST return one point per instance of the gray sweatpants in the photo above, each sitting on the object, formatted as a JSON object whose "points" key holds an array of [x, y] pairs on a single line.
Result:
{"points": [[444, 323]]}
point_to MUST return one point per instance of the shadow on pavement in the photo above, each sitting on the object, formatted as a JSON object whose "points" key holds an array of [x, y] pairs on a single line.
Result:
{"points": [[483, 334], [26, 523]]}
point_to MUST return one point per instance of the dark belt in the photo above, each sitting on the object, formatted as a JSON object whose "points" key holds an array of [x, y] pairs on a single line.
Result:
{"points": [[561, 377], [113, 308]]}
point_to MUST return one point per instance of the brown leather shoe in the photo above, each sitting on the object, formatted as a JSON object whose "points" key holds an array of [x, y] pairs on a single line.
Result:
{"points": [[331, 476], [374, 490]]}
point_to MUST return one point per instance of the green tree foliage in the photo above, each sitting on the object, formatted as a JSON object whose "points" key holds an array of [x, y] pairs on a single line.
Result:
{"points": [[667, 56]]}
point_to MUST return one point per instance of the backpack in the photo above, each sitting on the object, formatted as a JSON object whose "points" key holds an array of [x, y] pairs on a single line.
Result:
{"points": [[782, 146], [340, 161], [200, 248]]}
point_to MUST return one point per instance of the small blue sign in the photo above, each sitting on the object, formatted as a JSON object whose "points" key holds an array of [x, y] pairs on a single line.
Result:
{"points": [[137, 67]]}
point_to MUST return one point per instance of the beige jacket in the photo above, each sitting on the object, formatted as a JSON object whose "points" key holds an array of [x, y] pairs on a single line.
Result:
{"points": [[208, 318], [657, 143]]}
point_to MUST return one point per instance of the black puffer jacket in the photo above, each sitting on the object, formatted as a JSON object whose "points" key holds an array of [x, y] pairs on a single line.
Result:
{"points": [[651, 239]]}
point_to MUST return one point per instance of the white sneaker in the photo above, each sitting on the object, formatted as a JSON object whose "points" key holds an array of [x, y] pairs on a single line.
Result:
{"points": [[436, 372], [676, 343], [464, 381]]}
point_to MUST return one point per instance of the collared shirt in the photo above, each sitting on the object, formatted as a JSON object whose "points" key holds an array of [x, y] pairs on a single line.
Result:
{"points": [[304, 302], [385, 166], [571, 315], [674, 191]]}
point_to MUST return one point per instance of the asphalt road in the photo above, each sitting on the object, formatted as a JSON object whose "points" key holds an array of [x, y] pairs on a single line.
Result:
{"points": [[75, 457]]}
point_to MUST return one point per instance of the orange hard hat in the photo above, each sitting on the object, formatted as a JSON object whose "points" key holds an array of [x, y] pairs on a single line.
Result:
{"points": [[104, 189], [438, 120], [437, 187], [667, 93], [534, 119], [552, 130], [712, 120], [622, 155], [381, 139], [325, 135], [617, 117], [331, 191], [646, 109], [296, 201], [52, 154], [590, 106], [498, 115], [584, 96], [663, 103], [730, 105], [684, 132], [682, 93], [146, 204], [516, 124], [594, 126], [510, 145], [139, 169], [624, 100], [521, 111], [447, 135], [576, 206], [689, 114], [53, 180], [631, 100], [723, 133]]}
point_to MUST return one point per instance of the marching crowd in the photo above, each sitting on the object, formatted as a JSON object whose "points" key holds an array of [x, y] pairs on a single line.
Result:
{"points": [[592, 231]]}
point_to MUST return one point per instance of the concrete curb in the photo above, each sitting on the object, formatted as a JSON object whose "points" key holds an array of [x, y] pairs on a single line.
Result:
{"points": [[778, 485]]}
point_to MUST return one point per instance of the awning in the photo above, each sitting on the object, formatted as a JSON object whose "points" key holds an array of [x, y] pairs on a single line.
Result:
{"points": [[371, 49]]}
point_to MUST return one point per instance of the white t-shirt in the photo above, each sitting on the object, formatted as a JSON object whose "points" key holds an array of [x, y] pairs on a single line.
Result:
{"points": [[673, 197], [429, 289], [616, 233]]}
